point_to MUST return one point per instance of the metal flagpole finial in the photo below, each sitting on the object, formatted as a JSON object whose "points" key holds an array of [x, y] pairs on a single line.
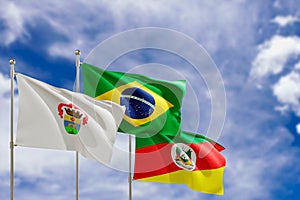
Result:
{"points": [[77, 52], [12, 61]]}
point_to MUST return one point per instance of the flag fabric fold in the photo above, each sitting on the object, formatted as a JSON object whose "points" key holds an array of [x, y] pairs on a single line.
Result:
{"points": [[187, 158], [152, 106], [56, 118]]}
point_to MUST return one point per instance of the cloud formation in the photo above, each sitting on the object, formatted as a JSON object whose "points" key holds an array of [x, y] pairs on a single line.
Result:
{"points": [[273, 54], [283, 21], [287, 89]]}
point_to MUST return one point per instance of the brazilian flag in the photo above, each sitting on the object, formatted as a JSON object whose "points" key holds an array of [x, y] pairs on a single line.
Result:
{"points": [[152, 106]]}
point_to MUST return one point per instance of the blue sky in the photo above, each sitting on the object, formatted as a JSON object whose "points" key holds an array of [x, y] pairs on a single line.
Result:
{"points": [[254, 44]]}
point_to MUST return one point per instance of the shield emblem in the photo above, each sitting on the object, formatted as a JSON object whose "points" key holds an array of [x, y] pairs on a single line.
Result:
{"points": [[73, 117], [72, 124]]}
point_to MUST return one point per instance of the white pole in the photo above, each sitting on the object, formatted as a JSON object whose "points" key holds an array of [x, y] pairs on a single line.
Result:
{"points": [[12, 63], [77, 53], [130, 173]]}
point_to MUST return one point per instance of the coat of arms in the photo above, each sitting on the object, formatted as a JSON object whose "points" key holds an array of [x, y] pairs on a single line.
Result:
{"points": [[183, 156], [73, 117]]}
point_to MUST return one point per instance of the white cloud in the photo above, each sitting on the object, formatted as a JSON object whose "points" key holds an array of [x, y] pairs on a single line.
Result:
{"points": [[282, 109], [4, 85], [117, 16], [287, 89], [273, 55], [14, 19], [297, 66], [283, 21], [247, 167], [298, 128]]}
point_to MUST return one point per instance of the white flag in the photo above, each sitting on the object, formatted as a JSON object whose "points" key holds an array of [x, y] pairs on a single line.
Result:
{"points": [[56, 118]]}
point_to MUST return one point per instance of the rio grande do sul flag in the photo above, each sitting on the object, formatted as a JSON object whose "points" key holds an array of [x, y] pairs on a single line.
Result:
{"points": [[187, 158], [152, 106], [56, 118]]}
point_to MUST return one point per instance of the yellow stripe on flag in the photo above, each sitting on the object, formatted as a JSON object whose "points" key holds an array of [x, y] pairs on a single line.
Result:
{"points": [[206, 181], [72, 119]]}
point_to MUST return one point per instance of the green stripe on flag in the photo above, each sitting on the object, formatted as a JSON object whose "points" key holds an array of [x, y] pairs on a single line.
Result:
{"points": [[183, 137]]}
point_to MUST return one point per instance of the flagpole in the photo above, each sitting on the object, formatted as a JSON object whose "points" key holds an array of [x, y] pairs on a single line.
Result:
{"points": [[12, 63], [130, 173], [77, 53]]}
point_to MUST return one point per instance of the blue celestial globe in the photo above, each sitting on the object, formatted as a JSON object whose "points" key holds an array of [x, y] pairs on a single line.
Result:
{"points": [[139, 103]]}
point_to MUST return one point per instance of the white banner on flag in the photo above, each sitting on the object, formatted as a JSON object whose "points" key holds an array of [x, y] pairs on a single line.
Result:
{"points": [[56, 118]]}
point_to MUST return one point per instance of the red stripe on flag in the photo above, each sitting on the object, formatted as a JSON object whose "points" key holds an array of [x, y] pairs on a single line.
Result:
{"points": [[156, 159]]}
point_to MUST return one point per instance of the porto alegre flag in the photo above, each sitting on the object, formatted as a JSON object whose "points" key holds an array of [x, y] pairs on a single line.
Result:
{"points": [[152, 106], [187, 158], [56, 118]]}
